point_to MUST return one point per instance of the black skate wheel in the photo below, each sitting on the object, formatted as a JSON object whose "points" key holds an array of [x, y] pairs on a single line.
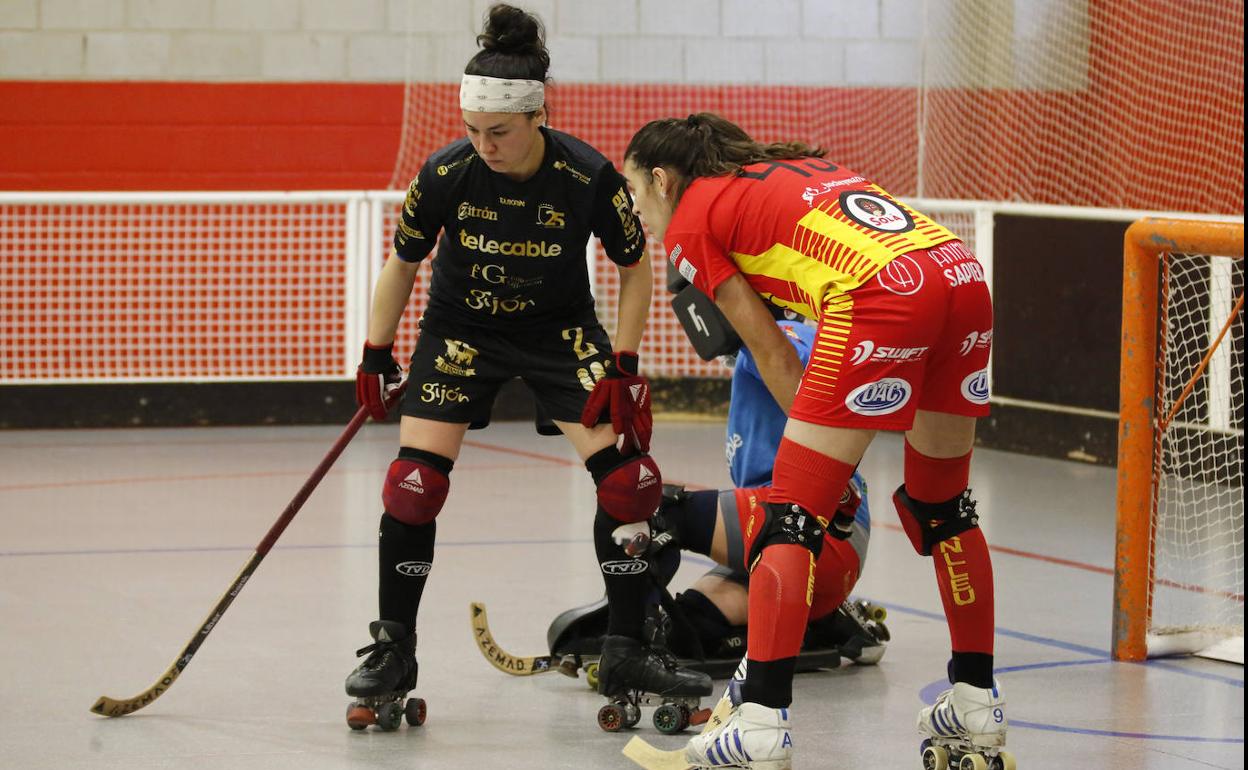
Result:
{"points": [[415, 711], [973, 762], [880, 631], [632, 715], [669, 720], [359, 716], [611, 718], [389, 717], [935, 757]]}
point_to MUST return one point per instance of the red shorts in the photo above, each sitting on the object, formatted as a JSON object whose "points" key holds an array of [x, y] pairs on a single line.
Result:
{"points": [[836, 571], [916, 336]]}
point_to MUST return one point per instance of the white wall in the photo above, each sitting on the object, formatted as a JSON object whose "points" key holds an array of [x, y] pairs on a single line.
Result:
{"points": [[675, 41]]}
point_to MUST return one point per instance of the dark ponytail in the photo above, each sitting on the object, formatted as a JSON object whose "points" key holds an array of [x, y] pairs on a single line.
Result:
{"points": [[513, 45], [705, 144]]}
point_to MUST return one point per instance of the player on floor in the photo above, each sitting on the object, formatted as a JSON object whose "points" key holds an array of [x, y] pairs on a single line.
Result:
{"points": [[710, 522], [905, 326], [515, 203]]}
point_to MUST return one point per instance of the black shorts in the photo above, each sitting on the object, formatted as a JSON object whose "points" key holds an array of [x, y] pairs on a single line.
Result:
{"points": [[455, 378]]}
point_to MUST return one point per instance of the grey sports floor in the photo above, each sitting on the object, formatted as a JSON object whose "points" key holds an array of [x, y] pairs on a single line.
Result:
{"points": [[116, 543]]}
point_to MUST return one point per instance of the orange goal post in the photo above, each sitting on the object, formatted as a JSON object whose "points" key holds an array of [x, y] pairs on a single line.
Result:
{"points": [[1179, 566]]}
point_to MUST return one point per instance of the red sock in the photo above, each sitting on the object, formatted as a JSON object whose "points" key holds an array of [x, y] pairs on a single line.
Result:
{"points": [[964, 574], [963, 564]]}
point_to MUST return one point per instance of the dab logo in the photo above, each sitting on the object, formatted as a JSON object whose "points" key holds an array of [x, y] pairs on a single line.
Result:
{"points": [[548, 217], [458, 359]]}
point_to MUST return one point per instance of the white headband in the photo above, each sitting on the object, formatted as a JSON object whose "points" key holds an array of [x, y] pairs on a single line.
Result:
{"points": [[481, 93]]}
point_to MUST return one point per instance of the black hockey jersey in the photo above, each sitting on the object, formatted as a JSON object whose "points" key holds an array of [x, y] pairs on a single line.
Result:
{"points": [[513, 253]]}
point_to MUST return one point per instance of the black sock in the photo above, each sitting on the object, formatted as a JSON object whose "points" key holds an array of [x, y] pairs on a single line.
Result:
{"points": [[404, 559], [626, 586], [769, 683], [973, 668]]}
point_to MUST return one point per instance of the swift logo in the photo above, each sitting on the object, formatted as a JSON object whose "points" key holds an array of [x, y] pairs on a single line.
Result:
{"points": [[975, 340], [413, 568], [630, 567], [867, 350], [878, 398]]}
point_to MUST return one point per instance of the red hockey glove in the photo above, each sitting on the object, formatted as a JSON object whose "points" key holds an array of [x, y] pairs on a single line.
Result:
{"points": [[625, 397], [378, 381]]}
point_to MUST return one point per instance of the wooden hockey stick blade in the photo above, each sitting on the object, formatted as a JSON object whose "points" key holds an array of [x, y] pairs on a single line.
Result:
{"points": [[113, 707], [516, 665], [652, 758], [647, 756]]}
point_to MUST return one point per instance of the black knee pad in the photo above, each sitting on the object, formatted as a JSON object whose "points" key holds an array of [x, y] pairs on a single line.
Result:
{"points": [[788, 523], [932, 523]]}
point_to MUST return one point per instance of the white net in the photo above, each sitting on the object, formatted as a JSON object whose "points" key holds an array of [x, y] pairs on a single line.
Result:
{"points": [[1116, 103], [172, 291], [1113, 104], [1198, 532]]}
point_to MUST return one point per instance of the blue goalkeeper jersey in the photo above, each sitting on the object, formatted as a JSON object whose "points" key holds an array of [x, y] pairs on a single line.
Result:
{"points": [[756, 421]]}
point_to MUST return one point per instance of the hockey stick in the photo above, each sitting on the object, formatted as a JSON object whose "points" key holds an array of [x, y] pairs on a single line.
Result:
{"points": [[110, 707], [515, 665]]}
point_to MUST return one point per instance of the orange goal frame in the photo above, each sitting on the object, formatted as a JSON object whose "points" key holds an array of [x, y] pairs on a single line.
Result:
{"points": [[1146, 240]]}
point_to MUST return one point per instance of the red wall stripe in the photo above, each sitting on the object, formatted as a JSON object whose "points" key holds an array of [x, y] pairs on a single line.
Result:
{"points": [[197, 136]]}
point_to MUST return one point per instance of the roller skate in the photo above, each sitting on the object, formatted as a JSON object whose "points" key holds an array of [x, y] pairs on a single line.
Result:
{"points": [[380, 684], [855, 629], [633, 675], [753, 736], [966, 730]]}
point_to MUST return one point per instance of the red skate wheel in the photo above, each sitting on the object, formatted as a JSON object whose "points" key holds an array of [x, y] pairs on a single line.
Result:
{"points": [[415, 710], [699, 717], [359, 716], [611, 718]]}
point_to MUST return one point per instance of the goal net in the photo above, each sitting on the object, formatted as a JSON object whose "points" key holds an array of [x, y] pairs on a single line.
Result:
{"points": [[1180, 576]]}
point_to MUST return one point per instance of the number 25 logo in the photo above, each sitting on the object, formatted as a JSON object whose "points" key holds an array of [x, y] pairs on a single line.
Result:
{"points": [[548, 217]]}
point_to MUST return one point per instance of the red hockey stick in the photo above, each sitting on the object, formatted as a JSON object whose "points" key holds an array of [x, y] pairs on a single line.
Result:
{"points": [[110, 707]]}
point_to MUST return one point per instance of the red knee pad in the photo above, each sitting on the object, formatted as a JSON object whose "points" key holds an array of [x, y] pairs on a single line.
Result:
{"points": [[631, 492], [414, 491]]}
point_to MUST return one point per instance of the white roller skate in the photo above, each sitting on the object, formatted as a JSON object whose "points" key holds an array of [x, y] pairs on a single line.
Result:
{"points": [[754, 737], [966, 730]]}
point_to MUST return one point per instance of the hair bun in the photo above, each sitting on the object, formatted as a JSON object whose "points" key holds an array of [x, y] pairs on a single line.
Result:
{"points": [[509, 29]]}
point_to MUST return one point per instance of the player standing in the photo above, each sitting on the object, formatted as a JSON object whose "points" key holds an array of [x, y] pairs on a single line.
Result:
{"points": [[905, 326], [515, 203]]}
